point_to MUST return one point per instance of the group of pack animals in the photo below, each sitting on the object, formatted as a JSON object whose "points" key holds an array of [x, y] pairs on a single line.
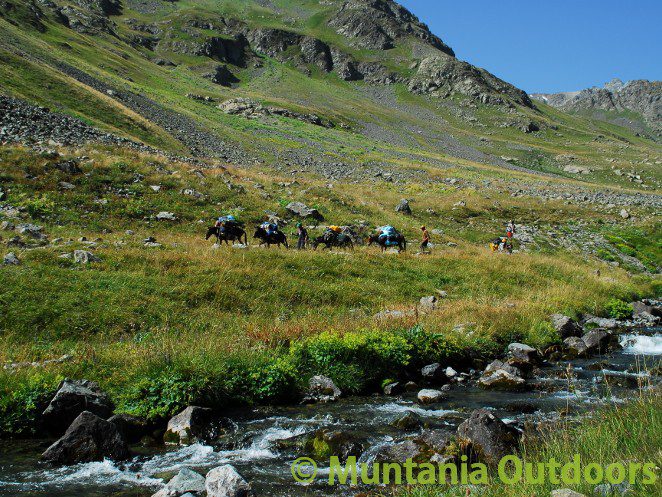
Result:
{"points": [[230, 232]]}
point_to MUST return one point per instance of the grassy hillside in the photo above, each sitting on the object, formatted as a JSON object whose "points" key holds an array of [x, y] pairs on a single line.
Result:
{"points": [[162, 327], [193, 324]]}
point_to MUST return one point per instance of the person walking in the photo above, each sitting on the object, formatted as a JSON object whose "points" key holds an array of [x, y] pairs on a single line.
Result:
{"points": [[303, 236], [426, 240]]}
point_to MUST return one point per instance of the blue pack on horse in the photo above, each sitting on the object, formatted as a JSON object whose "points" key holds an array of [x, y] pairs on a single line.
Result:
{"points": [[227, 229], [269, 234], [388, 237]]}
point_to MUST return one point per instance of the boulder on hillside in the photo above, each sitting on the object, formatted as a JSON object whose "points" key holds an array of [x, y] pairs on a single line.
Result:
{"points": [[11, 260], [302, 210], [85, 257], [565, 492], [186, 481], [189, 426], [89, 438], [72, 398], [486, 437], [225, 481], [565, 326], [427, 304], [322, 389], [403, 207]]}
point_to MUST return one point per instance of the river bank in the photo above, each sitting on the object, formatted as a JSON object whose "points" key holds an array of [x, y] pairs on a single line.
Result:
{"points": [[262, 442]]}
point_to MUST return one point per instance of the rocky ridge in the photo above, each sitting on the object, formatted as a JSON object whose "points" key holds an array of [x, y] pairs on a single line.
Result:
{"points": [[640, 96]]}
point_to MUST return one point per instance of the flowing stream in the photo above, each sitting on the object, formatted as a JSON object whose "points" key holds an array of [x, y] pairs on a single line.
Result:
{"points": [[257, 443]]}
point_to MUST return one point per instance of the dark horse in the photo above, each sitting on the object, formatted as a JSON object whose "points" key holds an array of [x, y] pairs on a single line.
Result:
{"points": [[230, 234], [399, 240], [340, 241], [277, 238]]}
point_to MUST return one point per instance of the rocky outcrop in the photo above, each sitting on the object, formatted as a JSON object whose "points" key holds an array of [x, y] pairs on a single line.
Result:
{"points": [[442, 76], [640, 96], [72, 398], [381, 24], [251, 109], [486, 437], [303, 211], [89, 438]]}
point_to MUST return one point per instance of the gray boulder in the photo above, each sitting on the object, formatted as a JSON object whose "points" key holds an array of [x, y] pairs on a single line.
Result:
{"points": [[302, 210], [427, 304], [565, 326], [597, 340], [89, 438], [565, 492], [166, 216], [30, 230], [399, 452], [10, 259], [434, 373], [72, 398], [182, 483], [408, 421], [501, 376], [576, 346], [487, 437], [614, 490], [640, 309], [189, 426], [322, 389], [403, 207], [394, 388], [85, 257], [522, 355], [430, 396], [225, 481]]}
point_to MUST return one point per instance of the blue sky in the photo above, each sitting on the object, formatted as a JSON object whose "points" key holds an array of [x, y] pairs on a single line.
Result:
{"points": [[550, 46]]}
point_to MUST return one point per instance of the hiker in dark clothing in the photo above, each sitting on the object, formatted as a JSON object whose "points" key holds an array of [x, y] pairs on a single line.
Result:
{"points": [[303, 236]]}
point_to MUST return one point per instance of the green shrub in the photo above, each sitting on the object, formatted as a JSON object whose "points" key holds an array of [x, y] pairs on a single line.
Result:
{"points": [[619, 309], [21, 405], [161, 393]]}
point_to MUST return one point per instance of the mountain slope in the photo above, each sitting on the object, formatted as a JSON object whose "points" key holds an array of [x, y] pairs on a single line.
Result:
{"points": [[635, 104], [351, 88]]}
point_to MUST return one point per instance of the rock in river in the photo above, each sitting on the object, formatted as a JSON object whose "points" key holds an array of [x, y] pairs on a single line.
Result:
{"points": [[89, 438], [487, 437], [565, 326], [189, 426], [322, 389], [225, 481], [186, 481]]}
